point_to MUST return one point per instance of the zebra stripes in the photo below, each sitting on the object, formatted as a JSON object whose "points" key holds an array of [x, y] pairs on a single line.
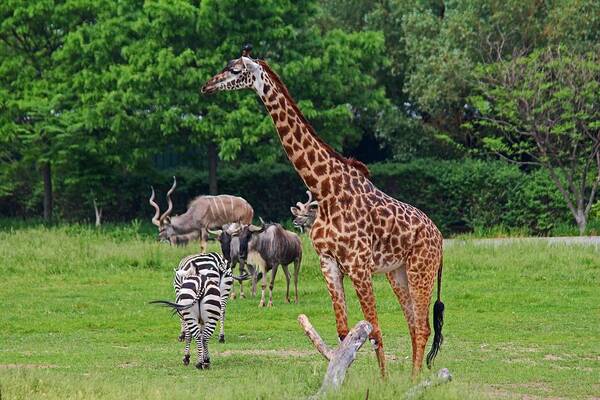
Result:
{"points": [[198, 303], [215, 267]]}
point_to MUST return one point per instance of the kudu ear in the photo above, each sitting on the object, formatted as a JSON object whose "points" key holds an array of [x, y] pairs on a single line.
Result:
{"points": [[295, 211]]}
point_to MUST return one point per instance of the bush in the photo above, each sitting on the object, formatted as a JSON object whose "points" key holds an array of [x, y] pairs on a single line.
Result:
{"points": [[466, 195], [459, 196]]}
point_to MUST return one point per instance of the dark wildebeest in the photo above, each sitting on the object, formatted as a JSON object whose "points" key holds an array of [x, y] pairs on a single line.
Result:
{"points": [[305, 213], [230, 247], [266, 247], [204, 212]]}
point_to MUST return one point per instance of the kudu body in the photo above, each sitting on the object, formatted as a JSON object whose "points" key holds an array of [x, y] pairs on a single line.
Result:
{"points": [[204, 212]]}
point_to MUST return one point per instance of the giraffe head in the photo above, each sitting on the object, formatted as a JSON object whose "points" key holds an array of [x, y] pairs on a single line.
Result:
{"points": [[241, 73]]}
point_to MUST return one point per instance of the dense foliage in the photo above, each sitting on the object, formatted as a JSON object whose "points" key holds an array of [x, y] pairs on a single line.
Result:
{"points": [[99, 100]]}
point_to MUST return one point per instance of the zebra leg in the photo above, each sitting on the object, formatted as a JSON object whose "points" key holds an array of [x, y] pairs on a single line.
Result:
{"points": [[287, 280], [186, 352], [182, 331], [225, 288], [207, 332]]}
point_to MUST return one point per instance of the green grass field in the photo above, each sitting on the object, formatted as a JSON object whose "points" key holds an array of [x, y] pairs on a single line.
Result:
{"points": [[521, 322]]}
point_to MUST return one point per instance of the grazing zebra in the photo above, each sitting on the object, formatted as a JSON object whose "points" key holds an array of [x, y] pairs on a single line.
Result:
{"points": [[198, 304], [215, 267]]}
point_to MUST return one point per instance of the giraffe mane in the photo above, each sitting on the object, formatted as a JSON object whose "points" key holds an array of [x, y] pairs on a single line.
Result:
{"points": [[362, 168]]}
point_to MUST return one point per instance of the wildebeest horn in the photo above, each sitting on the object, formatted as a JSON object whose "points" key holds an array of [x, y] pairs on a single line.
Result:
{"points": [[216, 233], [254, 228], [309, 193], [155, 219], [169, 201]]}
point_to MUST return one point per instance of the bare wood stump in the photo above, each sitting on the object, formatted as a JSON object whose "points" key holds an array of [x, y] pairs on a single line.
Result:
{"points": [[443, 376], [341, 358]]}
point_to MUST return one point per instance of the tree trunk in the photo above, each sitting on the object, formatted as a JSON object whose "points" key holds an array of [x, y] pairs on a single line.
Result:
{"points": [[98, 212], [581, 220], [212, 168], [47, 177]]}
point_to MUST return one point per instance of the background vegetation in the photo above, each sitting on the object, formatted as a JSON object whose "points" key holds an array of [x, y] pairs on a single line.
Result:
{"points": [[99, 100], [75, 324]]}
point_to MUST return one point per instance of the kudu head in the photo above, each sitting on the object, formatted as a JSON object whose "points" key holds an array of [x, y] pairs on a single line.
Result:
{"points": [[163, 222], [305, 213]]}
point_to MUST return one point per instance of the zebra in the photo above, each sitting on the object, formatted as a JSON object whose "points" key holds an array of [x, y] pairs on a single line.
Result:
{"points": [[216, 268], [198, 303]]}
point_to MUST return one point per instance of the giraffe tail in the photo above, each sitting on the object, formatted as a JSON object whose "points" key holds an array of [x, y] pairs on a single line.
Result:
{"points": [[438, 322]]}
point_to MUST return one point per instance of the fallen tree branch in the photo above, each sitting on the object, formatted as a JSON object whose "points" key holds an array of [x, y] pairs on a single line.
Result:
{"points": [[341, 358], [443, 376]]}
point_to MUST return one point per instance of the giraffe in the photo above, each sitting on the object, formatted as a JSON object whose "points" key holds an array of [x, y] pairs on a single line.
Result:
{"points": [[359, 230]]}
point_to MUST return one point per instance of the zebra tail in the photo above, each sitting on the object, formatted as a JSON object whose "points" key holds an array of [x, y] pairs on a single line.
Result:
{"points": [[175, 306]]}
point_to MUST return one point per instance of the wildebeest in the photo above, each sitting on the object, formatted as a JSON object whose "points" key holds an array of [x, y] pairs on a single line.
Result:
{"points": [[230, 247], [204, 212], [266, 247], [305, 213]]}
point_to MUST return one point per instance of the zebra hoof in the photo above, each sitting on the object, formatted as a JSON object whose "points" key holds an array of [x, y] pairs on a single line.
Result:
{"points": [[221, 338], [186, 360], [200, 365], [181, 337]]}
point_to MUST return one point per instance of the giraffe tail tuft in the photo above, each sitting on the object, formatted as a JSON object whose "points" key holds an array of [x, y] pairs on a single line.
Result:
{"points": [[438, 323]]}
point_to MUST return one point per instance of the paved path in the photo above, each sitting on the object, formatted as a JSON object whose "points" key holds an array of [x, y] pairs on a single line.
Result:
{"points": [[570, 240]]}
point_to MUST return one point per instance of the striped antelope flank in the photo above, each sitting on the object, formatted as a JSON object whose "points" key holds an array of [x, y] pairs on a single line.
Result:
{"points": [[216, 268], [198, 304], [204, 212]]}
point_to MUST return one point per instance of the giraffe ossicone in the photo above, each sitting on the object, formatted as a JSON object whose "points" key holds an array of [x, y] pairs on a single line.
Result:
{"points": [[358, 230]]}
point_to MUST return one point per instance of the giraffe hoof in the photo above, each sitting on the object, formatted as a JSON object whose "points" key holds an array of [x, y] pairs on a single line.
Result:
{"points": [[374, 344], [221, 338], [186, 360]]}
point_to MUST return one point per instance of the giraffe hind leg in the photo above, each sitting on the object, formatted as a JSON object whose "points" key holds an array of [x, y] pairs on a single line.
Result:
{"points": [[420, 285], [399, 282]]}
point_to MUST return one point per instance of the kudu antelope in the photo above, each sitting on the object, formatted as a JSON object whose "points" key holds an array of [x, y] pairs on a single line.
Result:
{"points": [[305, 213], [204, 212]]}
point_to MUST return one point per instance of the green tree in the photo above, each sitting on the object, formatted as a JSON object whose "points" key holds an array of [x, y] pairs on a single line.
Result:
{"points": [[544, 109]]}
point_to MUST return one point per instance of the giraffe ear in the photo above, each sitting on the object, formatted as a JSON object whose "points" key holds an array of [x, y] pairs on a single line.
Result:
{"points": [[250, 65]]}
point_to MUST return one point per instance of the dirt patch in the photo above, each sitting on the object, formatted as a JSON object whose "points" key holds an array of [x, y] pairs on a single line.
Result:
{"points": [[552, 357], [128, 365], [27, 366]]}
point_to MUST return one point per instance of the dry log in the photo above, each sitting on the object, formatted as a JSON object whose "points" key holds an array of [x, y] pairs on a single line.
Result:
{"points": [[341, 358], [417, 391]]}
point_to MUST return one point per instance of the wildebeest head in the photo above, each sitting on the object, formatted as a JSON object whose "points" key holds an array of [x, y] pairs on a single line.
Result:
{"points": [[165, 228], [224, 236], [305, 213], [245, 233]]}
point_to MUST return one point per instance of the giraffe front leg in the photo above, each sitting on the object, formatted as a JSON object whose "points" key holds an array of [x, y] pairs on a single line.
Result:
{"points": [[364, 291], [334, 278]]}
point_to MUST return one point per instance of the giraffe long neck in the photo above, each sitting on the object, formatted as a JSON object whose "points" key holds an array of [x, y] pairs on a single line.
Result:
{"points": [[310, 156]]}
